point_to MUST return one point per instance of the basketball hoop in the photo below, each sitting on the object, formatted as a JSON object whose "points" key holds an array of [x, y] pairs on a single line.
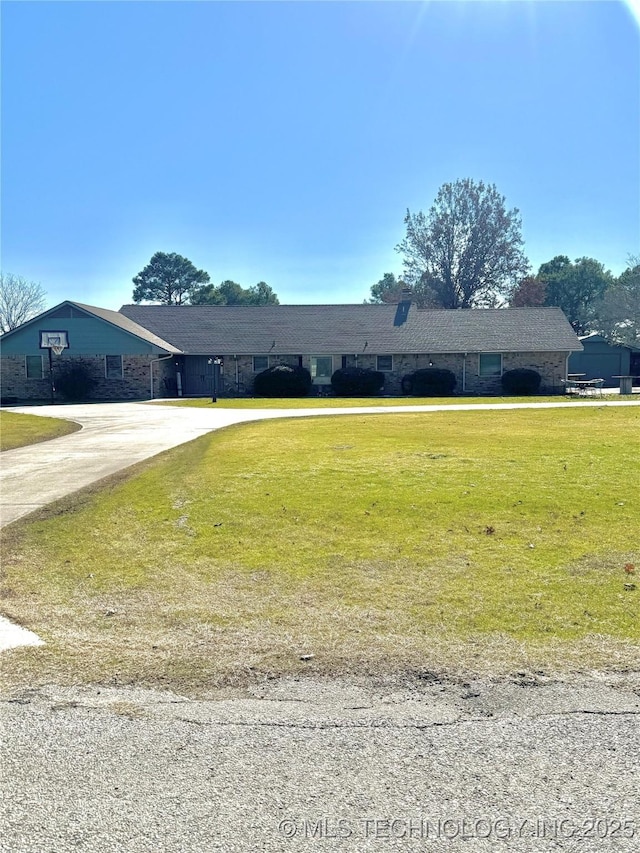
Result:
{"points": [[54, 340]]}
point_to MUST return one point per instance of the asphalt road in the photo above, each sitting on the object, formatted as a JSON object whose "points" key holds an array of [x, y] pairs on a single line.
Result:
{"points": [[528, 765]]}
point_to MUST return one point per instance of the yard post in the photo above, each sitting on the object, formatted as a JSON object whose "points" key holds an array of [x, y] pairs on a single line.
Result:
{"points": [[216, 363]]}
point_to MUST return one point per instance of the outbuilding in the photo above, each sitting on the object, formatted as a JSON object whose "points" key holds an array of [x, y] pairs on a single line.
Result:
{"points": [[602, 359]]}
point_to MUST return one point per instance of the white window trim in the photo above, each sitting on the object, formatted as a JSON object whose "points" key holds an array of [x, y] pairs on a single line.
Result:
{"points": [[106, 374], [489, 375], [253, 363], [26, 374], [384, 369]]}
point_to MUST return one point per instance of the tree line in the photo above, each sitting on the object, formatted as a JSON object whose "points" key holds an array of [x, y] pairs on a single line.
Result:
{"points": [[467, 252], [171, 279], [168, 278]]}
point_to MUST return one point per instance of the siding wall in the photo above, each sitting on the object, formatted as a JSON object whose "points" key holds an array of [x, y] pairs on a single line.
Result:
{"points": [[87, 336], [601, 360]]}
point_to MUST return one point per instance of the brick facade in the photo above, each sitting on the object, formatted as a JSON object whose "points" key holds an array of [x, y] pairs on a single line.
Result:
{"points": [[135, 383], [550, 365]]}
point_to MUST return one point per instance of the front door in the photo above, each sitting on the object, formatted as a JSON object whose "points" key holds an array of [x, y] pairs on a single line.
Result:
{"points": [[321, 369], [197, 378]]}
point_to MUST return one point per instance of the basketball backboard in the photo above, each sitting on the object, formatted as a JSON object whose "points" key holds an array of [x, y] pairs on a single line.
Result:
{"points": [[54, 340]]}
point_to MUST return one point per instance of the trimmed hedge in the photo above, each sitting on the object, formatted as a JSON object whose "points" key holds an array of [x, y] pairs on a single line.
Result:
{"points": [[429, 382], [521, 381], [357, 382], [74, 380], [282, 380]]}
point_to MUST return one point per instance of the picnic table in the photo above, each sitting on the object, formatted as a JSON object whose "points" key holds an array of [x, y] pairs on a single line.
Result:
{"points": [[583, 387]]}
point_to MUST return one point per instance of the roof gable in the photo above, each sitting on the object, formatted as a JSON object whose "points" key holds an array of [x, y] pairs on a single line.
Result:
{"points": [[69, 310]]}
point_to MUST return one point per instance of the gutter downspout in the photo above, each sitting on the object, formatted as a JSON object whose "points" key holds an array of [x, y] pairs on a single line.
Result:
{"points": [[464, 372], [151, 363]]}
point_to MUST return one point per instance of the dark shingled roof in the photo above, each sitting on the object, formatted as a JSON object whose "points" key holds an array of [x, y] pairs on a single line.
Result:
{"points": [[346, 329], [128, 325]]}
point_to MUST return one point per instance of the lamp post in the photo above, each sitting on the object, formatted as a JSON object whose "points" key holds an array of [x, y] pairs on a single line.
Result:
{"points": [[216, 364]]}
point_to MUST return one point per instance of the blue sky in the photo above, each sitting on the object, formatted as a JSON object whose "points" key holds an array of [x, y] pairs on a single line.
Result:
{"points": [[284, 141]]}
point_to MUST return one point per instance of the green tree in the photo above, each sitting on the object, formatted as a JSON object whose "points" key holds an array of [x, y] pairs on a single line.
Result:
{"points": [[391, 290], [262, 294], [467, 251], [20, 300], [618, 311], [577, 288], [388, 289], [231, 293], [207, 294], [169, 279]]}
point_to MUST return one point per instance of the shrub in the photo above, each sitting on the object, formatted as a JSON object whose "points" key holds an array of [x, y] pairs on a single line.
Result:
{"points": [[431, 382], [282, 380], [521, 381], [74, 380], [357, 382], [407, 383]]}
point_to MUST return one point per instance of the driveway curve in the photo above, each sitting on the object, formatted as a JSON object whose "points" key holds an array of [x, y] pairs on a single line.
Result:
{"points": [[115, 436]]}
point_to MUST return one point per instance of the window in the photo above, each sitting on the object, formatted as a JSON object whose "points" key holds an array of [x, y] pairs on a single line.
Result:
{"points": [[260, 362], [113, 366], [490, 364], [33, 366], [384, 362], [321, 368]]}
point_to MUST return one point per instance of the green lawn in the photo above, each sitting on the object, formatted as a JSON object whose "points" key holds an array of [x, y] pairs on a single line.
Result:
{"points": [[470, 543], [18, 430]]}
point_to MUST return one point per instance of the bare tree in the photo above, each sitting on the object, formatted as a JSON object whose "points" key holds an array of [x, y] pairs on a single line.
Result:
{"points": [[467, 251], [20, 300]]}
